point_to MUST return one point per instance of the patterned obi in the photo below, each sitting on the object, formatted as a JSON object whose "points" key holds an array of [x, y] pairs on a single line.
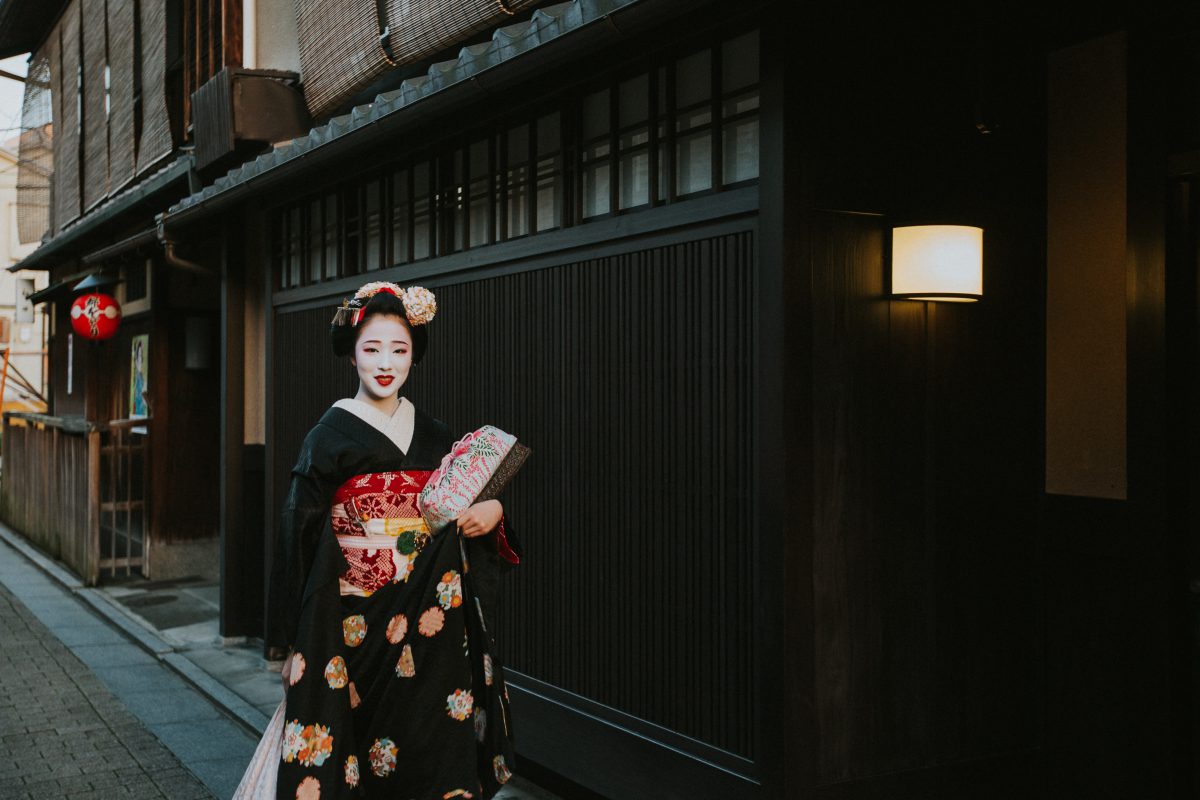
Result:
{"points": [[379, 527]]}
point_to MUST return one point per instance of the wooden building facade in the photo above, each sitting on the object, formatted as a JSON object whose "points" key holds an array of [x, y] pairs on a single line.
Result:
{"points": [[786, 536]]}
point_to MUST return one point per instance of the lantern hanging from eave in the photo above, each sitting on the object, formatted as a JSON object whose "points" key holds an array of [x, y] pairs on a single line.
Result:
{"points": [[95, 316]]}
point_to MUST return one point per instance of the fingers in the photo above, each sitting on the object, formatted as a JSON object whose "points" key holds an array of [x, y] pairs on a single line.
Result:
{"points": [[475, 520], [470, 524]]}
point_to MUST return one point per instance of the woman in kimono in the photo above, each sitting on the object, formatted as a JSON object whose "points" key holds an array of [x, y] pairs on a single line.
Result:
{"points": [[392, 687]]}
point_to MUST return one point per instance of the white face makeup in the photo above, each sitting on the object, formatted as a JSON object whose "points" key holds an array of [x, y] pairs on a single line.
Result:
{"points": [[383, 357]]}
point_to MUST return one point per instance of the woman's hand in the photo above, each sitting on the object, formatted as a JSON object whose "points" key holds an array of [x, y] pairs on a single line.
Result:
{"points": [[286, 672], [481, 518]]}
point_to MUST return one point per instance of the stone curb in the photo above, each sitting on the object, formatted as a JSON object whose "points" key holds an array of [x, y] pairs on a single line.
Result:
{"points": [[135, 629]]}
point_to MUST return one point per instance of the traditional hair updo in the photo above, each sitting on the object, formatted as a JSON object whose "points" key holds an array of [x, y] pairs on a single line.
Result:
{"points": [[348, 322]]}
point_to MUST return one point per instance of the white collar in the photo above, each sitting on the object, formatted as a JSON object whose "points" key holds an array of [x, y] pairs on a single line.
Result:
{"points": [[397, 426]]}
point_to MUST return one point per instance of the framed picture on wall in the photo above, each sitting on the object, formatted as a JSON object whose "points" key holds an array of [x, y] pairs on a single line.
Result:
{"points": [[139, 371]]}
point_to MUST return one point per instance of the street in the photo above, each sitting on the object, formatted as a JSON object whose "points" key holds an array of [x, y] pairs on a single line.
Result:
{"points": [[64, 733]]}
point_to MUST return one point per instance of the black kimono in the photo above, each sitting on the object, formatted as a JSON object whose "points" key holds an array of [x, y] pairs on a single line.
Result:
{"points": [[395, 690]]}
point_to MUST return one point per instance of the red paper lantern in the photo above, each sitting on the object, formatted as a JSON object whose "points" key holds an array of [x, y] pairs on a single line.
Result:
{"points": [[95, 316]]}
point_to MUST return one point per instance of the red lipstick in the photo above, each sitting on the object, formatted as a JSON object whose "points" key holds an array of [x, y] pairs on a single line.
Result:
{"points": [[385, 380]]}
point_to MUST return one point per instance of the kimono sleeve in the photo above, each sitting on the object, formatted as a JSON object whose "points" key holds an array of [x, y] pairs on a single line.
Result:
{"points": [[302, 522]]}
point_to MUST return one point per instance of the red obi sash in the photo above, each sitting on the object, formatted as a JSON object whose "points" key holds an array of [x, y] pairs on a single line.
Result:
{"points": [[377, 507]]}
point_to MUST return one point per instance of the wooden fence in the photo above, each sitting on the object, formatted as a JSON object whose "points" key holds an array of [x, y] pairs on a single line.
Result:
{"points": [[56, 491], [50, 487]]}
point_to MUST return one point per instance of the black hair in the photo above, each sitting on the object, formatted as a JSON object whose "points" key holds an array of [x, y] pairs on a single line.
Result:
{"points": [[344, 337]]}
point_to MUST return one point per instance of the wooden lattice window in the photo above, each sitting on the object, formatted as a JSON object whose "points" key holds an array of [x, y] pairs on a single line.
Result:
{"points": [[683, 124], [212, 40]]}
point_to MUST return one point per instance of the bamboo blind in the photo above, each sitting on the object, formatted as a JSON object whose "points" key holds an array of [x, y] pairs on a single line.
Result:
{"points": [[94, 168], [121, 148], [36, 155], [66, 140], [156, 141], [340, 51], [54, 55]]}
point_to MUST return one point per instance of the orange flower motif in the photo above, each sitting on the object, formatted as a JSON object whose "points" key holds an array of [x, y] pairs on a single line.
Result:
{"points": [[382, 757], [431, 621], [450, 590], [354, 630], [459, 704], [397, 628], [335, 673], [308, 744], [309, 789]]}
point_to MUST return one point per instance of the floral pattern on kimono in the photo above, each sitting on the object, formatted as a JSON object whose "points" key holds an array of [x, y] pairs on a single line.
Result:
{"points": [[398, 706]]}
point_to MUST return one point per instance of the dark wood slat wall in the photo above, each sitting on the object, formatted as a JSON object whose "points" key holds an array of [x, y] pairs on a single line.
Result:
{"points": [[872, 510], [926, 559], [629, 377]]}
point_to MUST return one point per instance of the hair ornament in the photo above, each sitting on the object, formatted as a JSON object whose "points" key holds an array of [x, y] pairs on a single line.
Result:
{"points": [[419, 303], [369, 290]]}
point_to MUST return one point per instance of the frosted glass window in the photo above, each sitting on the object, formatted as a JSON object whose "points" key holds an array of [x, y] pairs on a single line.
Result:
{"points": [[294, 276], [549, 193], [693, 119], [595, 115], [422, 216], [330, 222], [480, 211], [315, 244], [549, 134], [596, 181], [740, 154], [454, 201], [693, 79], [518, 201], [518, 145], [664, 170], [400, 209], [634, 100], [693, 162], [739, 62], [350, 230], [373, 227], [517, 182], [635, 179], [741, 104], [479, 159]]}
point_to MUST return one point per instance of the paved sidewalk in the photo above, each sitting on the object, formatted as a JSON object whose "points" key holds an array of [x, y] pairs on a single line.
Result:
{"points": [[154, 646], [64, 734]]}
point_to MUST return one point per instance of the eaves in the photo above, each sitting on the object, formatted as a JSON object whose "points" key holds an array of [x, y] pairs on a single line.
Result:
{"points": [[554, 36]]}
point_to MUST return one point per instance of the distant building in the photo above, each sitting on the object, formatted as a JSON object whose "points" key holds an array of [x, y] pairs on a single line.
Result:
{"points": [[22, 329]]}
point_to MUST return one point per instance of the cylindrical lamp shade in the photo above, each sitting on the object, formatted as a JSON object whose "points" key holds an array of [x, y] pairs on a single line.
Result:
{"points": [[937, 262]]}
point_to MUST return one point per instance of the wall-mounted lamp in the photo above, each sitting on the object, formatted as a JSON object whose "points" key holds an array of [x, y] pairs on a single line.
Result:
{"points": [[937, 262]]}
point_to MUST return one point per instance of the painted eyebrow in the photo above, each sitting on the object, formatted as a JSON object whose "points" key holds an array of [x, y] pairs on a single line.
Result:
{"points": [[380, 341]]}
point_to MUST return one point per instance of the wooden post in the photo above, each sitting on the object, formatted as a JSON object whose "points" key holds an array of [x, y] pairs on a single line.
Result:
{"points": [[92, 576]]}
